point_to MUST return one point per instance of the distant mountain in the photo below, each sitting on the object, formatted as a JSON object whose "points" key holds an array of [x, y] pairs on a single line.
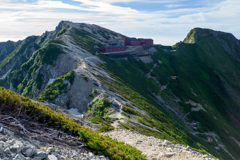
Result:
{"points": [[188, 93], [6, 48]]}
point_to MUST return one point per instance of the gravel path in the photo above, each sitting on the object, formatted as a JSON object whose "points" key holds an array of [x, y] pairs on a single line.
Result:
{"points": [[157, 149]]}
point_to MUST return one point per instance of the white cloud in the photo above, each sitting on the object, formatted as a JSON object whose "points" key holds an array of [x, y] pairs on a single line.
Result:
{"points": [[19, 20]]}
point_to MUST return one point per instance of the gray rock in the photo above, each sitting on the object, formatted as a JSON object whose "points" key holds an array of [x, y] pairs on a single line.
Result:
{"points": [[2, 130], [188, 148], [102, 157], [15, 148], [7, 151], [19, 157], [6, 145], [205, 156], [10, 133], [2, 154], [40, 156], [139, 142], [91, 155], [11, 141], [2, 143], [28, 151], [3, 139]]}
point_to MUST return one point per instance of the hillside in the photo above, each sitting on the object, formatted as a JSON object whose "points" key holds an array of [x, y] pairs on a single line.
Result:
{"points": [[187, 93]]}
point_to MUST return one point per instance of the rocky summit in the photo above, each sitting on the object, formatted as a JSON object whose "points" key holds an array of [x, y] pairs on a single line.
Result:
{"points": [[85, 92]]}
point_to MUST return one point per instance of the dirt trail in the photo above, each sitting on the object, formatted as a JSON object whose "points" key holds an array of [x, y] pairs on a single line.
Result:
{"points": [[156, 149]]}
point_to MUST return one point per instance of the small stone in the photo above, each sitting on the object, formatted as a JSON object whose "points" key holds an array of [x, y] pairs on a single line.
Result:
{"points": [[169, 154], [52, 157], [204, 156], [90, 155], [166, 143], [102, 157], [40, 156], [188, 148]]}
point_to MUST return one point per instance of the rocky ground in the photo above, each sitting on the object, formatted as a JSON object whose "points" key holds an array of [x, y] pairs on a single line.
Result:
{"points": [[14, 146], [157, 149]]}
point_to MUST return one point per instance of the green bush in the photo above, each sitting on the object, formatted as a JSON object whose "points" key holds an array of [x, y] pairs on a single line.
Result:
{"points": [[98, 112], [49, 53], [61, 32], [57, 87]]}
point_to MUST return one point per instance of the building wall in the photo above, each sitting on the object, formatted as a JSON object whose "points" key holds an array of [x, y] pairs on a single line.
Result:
{"points": [[103, 49]]}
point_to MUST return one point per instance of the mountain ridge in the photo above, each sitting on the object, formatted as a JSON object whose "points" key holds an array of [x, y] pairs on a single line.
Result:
{"points": [[160, 94]]}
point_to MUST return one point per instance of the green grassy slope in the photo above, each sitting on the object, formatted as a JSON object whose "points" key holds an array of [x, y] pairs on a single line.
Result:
{"points": [[206, 74], [18, 51], [133, 85], [202, 75]]}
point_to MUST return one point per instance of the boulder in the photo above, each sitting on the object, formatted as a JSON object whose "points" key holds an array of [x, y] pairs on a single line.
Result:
{"points": [[15, 148], [28, 151]]}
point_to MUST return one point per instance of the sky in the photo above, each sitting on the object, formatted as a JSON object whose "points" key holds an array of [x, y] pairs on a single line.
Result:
{"points": [[165, 21]]}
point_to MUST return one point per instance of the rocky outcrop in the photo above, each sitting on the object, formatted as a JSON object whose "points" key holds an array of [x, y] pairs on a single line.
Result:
{"points": [[16, 147]]}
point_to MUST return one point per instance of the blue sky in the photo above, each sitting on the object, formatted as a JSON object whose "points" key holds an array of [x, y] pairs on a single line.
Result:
{"points": [[166, 21]]}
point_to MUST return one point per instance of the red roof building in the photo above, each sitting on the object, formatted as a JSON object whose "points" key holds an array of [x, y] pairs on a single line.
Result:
{"points": [[145, 41], [132, 41]]}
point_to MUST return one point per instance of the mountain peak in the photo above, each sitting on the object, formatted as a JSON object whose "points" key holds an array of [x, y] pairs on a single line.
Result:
{"points": [[194, 35], [226, 40], [63, 24]]}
